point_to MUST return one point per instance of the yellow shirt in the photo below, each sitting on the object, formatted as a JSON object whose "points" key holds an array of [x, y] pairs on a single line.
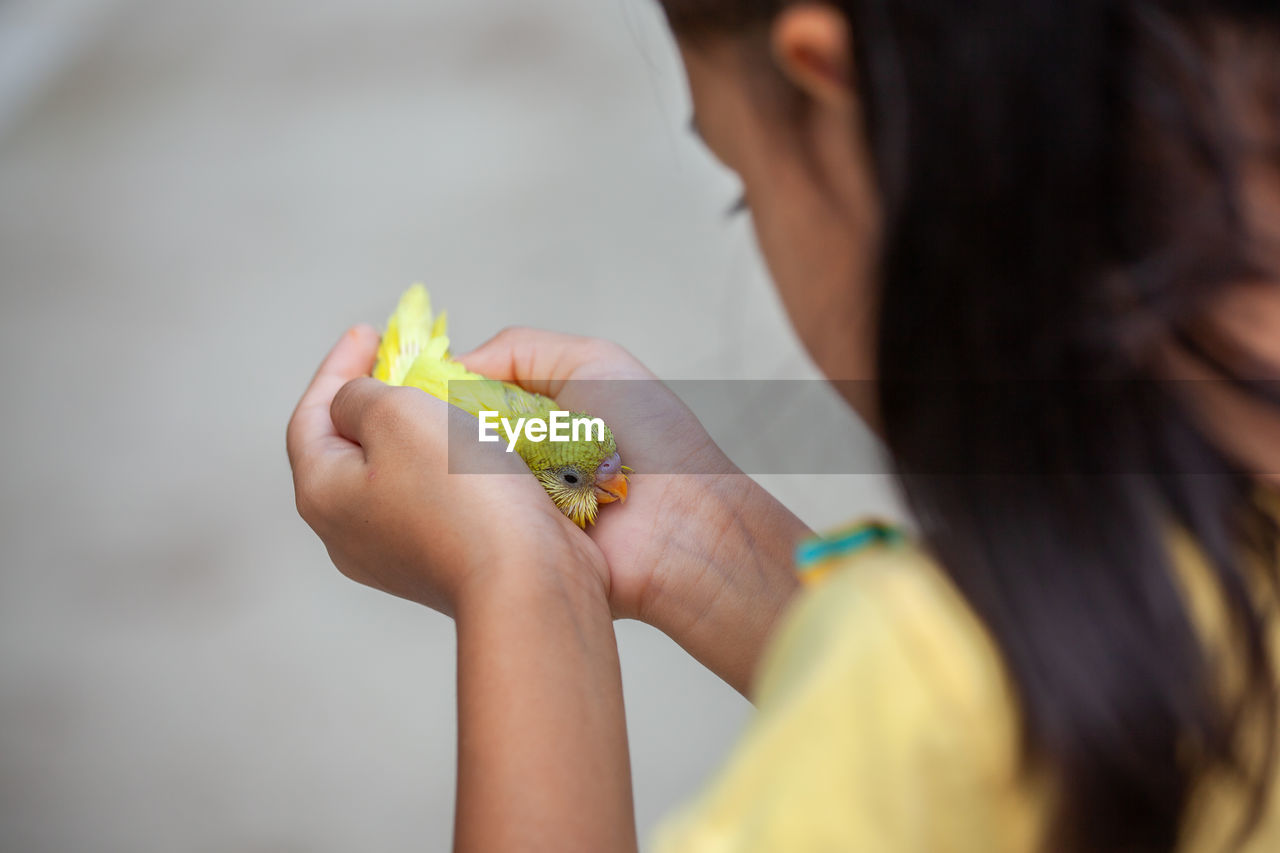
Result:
{"points": [[886, 722]]}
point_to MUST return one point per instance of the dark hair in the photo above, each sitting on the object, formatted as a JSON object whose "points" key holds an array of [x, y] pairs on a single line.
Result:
{"points": [[1061, 192]]}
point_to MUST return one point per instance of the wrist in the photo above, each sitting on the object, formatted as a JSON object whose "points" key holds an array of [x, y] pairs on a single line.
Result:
{"points": [[548, 576], [721, 597]]}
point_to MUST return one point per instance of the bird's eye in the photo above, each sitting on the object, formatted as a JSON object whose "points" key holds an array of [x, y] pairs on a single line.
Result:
{"points": [[571, 478]]}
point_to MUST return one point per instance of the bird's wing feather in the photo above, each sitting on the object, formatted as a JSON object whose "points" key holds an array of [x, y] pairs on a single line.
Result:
{"points": [[415, 352], [411, 331]]}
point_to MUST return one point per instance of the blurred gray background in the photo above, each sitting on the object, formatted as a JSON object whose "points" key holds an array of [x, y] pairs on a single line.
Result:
{"points": [[195, 200]]}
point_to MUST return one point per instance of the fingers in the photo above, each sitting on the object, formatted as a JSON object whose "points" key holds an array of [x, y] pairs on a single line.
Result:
{"points": [[536, 360], [542, 362], [402, 426], [311, 430]]}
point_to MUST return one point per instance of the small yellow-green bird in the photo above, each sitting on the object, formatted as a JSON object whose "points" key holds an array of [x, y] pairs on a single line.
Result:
{"points": [[578, 474]]}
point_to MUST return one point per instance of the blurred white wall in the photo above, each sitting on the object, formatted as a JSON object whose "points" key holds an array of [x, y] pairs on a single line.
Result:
{"points": [[195, 200]]}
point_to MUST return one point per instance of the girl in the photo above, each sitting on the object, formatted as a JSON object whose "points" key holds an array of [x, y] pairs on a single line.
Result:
{"points": [[1044, 234]]}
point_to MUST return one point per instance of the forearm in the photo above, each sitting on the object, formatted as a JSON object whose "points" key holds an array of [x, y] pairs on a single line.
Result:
{"points": [[542, 742], [740, 578]]}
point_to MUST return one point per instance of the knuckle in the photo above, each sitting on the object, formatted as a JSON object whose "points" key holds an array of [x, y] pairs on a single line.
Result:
{"points": [[346, 394], [307, 508], [306, 498], [397, 417], [513, 332], [510, 337], [295, 438], [386, 412], [312, 490], [603, 349]]}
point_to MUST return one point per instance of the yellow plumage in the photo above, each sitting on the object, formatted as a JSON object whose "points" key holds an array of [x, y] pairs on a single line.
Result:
{"points": [[415, 352], [578, 475]]}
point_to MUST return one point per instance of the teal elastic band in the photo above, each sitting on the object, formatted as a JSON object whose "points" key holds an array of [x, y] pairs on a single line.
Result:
{"points": [[817, 550]]}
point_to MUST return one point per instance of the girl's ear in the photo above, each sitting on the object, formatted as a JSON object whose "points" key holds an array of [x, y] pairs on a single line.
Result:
{"points": [[813, 48]]}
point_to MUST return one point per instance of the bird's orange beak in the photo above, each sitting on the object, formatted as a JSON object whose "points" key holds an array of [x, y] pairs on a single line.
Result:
{"points": [[612, 489]]}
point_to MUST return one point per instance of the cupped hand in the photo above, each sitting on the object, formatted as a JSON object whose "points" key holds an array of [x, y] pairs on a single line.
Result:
{"points": [[371, 475], [698, 550]]}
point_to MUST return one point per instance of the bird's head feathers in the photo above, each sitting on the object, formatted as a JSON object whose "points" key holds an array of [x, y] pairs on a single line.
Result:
{"points": [[579, 475]]}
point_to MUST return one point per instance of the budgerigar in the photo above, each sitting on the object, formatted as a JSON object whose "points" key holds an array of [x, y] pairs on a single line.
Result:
{"points": [[579, 475]]}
